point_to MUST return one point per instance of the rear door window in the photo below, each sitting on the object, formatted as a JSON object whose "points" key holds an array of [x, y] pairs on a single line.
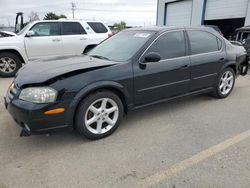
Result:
{"points": [[203, 42], [72, 28], [98, 27]]}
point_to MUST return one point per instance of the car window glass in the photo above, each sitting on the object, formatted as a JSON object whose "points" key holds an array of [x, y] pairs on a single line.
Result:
{"points": [[72, 28], [203, 42], [246, 36], [169, 45], [98, 27], [219, 43], [46, 29], [122, 46]]}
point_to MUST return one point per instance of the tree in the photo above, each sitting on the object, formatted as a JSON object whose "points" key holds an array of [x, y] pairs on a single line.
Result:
{"points": [[120, 26], [53, 16], [33, 16]]}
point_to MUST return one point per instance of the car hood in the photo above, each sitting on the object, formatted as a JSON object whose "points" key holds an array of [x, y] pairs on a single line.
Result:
{"points": [[8, 33], [45, 70]]}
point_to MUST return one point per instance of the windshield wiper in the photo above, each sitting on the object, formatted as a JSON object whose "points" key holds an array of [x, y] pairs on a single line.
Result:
{"points": [[100, 57]]}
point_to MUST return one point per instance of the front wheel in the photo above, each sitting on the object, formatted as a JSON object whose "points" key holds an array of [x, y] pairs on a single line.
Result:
{"points": [[9, 64], [225, 83], [99, 115]]}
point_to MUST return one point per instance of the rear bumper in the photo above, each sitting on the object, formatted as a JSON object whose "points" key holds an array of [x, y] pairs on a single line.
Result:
{"points": [[31, 117], [242, 65]]}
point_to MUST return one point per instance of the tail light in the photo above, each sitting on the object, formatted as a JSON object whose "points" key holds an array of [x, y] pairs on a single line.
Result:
{"points": [[110, 34]]}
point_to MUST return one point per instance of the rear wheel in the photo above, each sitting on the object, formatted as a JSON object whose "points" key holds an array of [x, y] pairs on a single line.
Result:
{"points": [[99, 115], [9, 64], [225, 83]]}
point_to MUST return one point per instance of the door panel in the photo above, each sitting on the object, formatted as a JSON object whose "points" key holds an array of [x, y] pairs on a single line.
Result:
{"points": [[46, 41], [207, 56], [155, 81], [205, 68], [74, 38], [74, 44], [39, 47], [166, 78]]}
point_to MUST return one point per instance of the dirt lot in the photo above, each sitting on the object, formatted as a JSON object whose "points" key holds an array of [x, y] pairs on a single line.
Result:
{"points": [[194, 142]]}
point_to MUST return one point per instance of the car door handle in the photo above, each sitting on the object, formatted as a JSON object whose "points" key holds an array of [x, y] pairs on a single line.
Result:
{"points": [[56, 40], [83, 38], [221, 59], [184, 66]]}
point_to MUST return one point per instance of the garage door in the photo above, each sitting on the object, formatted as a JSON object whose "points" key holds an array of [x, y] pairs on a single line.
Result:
{"points": [[225, 9], [178, 13]]}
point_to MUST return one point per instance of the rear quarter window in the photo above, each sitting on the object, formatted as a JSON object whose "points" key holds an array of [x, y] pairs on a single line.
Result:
{"points": [[98, 27]]}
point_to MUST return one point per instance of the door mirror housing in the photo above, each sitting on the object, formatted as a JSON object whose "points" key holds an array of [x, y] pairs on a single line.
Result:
{"points": [[152, 57], [30, 33]]}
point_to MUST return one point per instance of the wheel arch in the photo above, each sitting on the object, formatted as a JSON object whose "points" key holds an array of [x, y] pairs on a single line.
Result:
{"points": [[114, 87], [14, 51], [89, 47], [230, 64]]}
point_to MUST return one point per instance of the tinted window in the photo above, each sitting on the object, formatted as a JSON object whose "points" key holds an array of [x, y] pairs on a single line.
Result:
{"points": [[219, 43], [169, 45], [46, 29], [203, 42], [98, 27], [72, 28]]}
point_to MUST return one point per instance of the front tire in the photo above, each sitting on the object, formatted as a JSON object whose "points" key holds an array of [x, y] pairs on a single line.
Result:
{"points": [[9, 64], [99, 115], [225, 83]]}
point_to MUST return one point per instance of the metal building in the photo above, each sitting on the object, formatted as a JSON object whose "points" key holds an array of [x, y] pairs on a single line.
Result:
{"points": [[227, 14]]}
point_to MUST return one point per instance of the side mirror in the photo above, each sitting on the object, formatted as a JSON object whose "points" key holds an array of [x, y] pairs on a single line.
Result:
{"points": [[152, 57], [30, 33]]}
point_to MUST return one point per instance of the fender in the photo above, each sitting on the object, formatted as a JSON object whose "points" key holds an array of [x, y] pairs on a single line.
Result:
{"points": [[229, 64], [21, 53], [92, 87]]}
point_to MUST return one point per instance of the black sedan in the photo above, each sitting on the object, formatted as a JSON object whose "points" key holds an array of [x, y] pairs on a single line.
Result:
{"points": [[133, 69]]}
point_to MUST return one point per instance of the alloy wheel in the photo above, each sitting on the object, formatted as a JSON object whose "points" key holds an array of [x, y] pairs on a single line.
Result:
{"points": [[101, 116], [7, 65], [226, 83]]}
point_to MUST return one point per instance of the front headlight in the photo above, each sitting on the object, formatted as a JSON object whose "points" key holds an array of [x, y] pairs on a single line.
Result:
{"points": [[38, 94]]}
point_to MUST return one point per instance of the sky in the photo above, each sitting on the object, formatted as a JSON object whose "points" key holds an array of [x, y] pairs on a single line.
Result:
{"points": [[133, 12]]}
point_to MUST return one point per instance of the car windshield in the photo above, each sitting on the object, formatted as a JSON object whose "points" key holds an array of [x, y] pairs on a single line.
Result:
{"points": [[122, 46], [24, 29]]}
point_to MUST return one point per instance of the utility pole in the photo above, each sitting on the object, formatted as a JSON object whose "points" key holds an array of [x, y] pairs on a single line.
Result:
{"points": [[73, 8]]}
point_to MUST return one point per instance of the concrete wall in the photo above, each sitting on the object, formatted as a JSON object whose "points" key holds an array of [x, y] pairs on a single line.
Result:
{"points": [[197, 11]]}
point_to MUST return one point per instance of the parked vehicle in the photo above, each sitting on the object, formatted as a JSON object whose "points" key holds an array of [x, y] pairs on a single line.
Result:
{"points": [[6, 34], [216, 28], [41, 39], [243, 36], [133, 69]]}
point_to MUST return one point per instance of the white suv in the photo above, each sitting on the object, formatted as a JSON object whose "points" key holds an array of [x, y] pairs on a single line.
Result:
{"points": [[43, 39]]}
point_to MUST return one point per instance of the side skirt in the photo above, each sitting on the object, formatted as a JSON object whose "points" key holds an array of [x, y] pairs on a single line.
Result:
{"points": [[194, 93]]}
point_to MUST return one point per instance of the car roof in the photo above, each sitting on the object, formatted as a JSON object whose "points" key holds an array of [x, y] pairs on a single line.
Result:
{"points": [[153, 28], [165, 28], [67, 20]]}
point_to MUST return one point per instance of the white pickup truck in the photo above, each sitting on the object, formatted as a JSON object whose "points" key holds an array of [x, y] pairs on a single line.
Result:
{"points": [[44, 39]]}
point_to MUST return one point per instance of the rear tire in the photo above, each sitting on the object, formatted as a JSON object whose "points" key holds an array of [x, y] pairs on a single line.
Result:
{"points": [[99, 115], [225, 83], [9, 64]]}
